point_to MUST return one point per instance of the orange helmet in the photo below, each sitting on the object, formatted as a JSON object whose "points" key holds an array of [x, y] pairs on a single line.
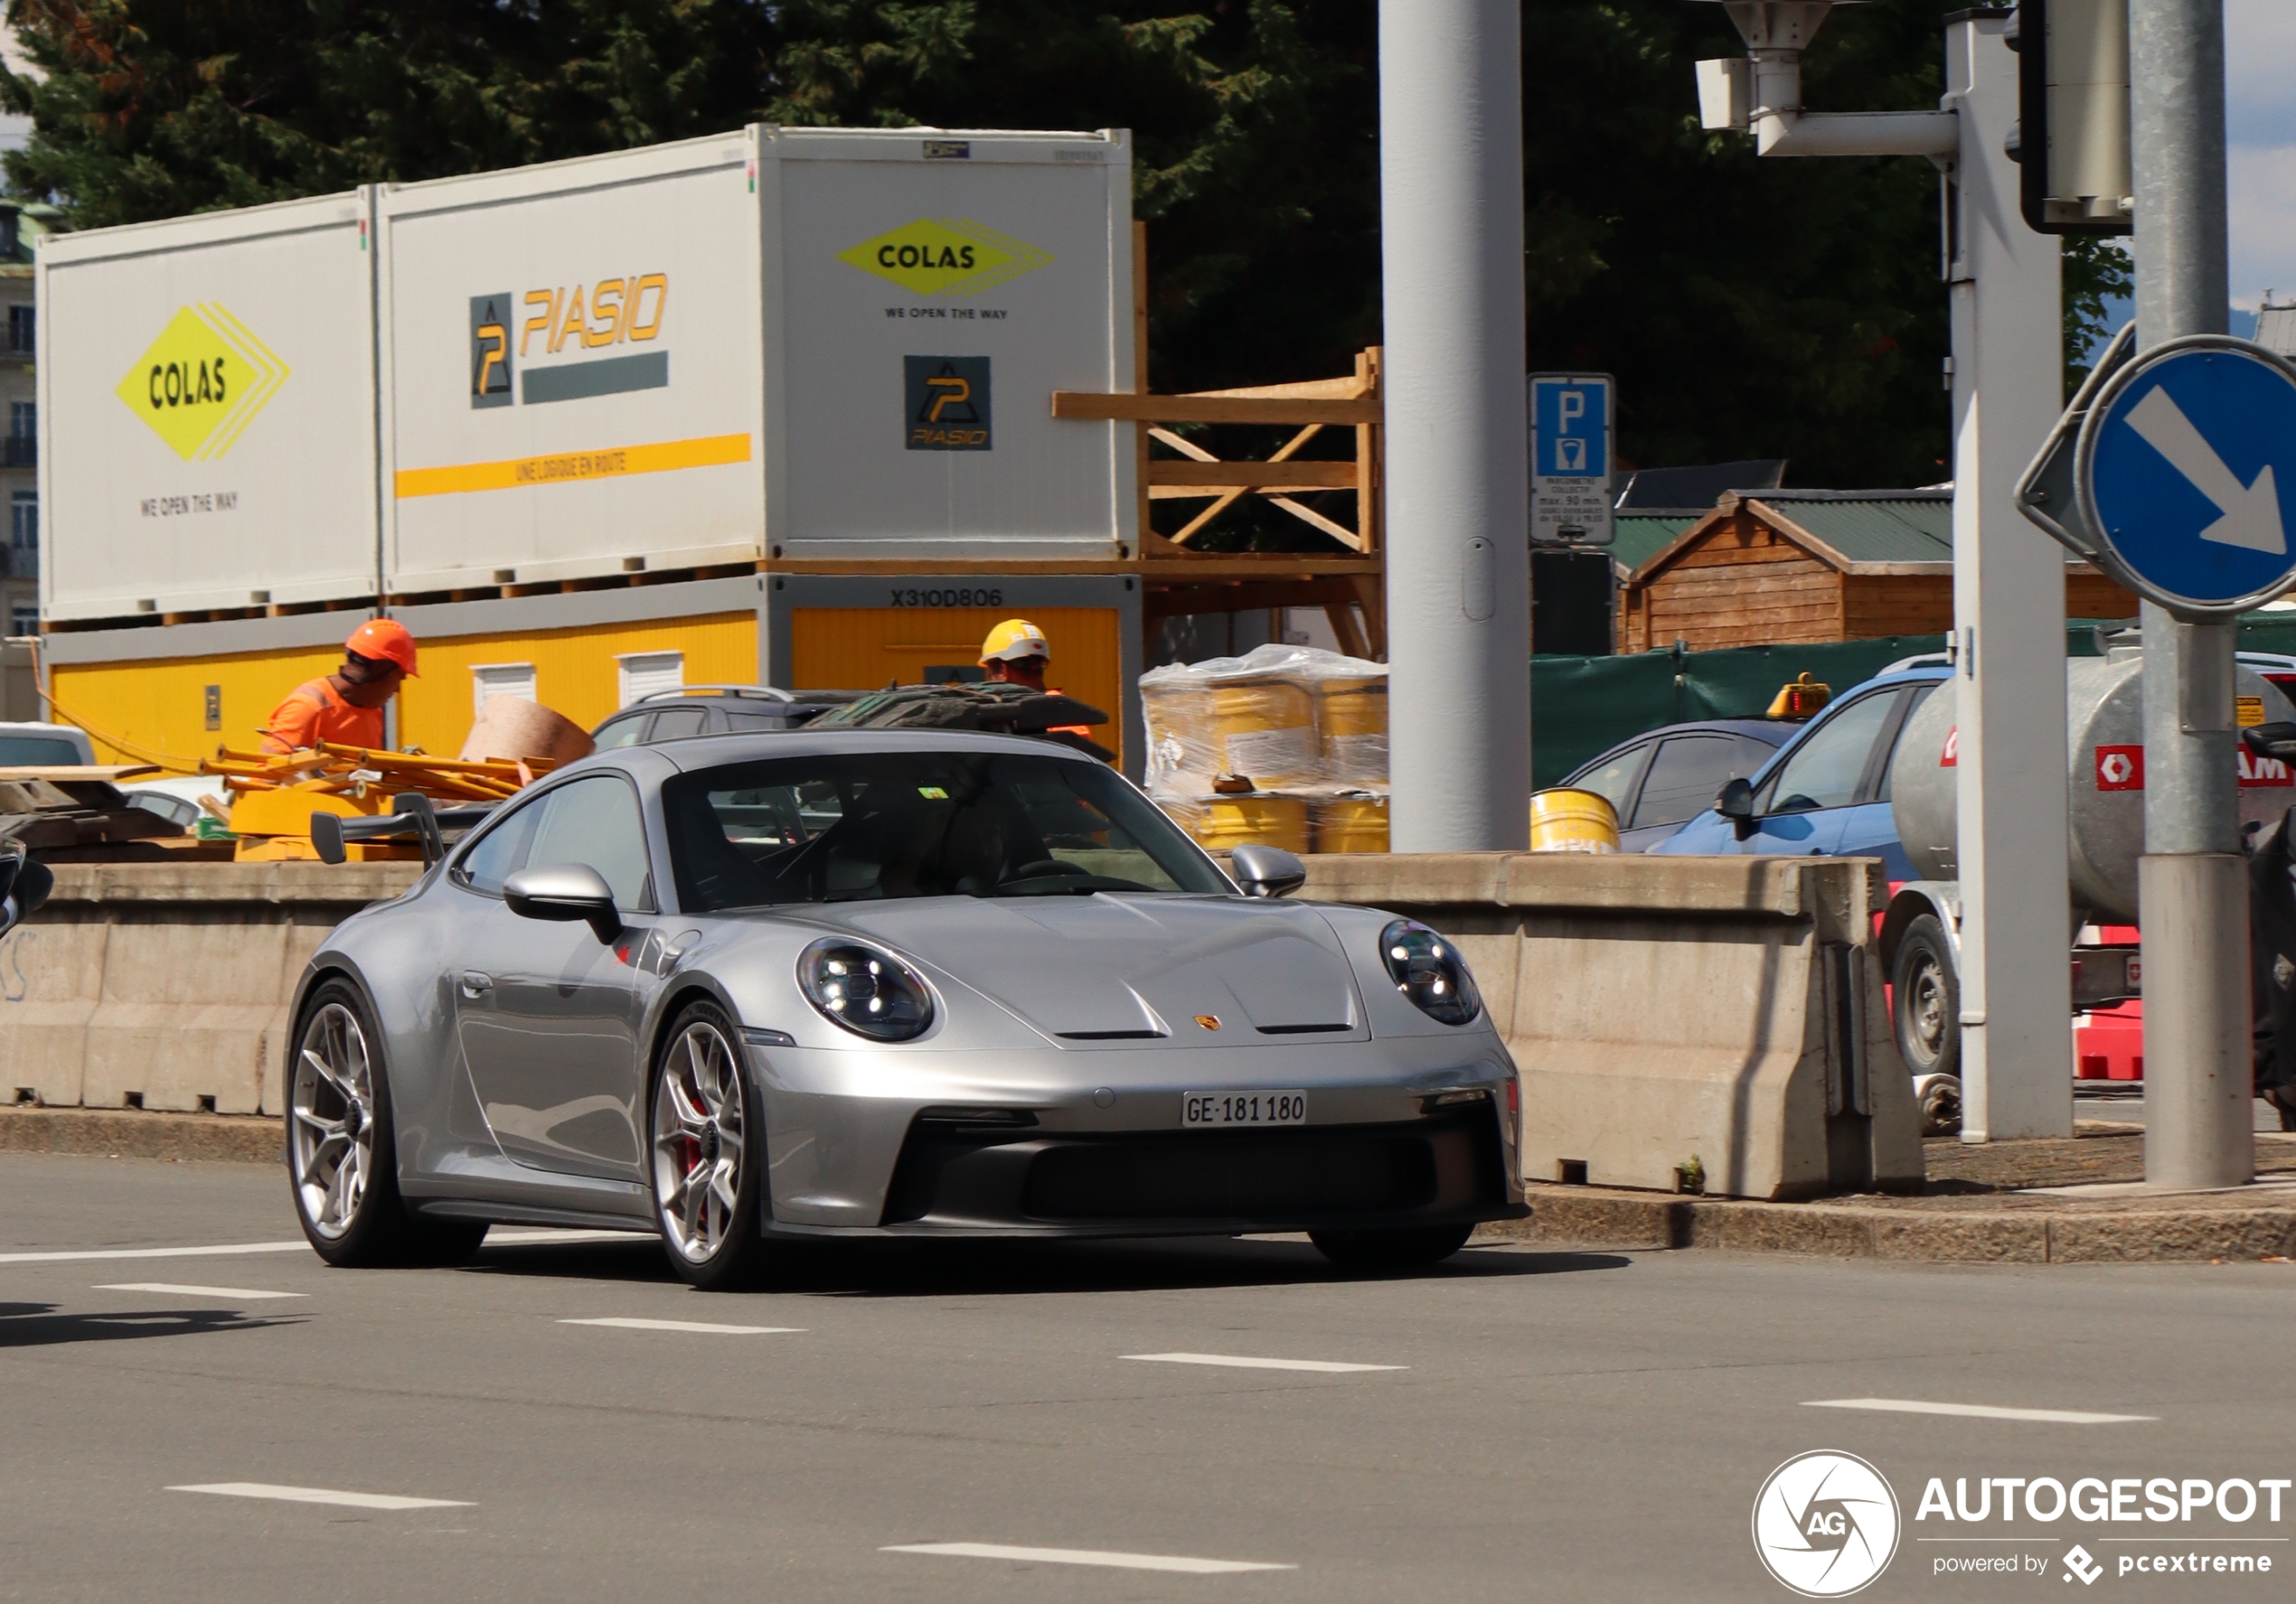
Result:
{"points": [[385, 639]]}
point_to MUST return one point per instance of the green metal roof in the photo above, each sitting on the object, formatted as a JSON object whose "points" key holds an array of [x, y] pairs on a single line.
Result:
{"points": [[1873, 526], [1641, 536]]}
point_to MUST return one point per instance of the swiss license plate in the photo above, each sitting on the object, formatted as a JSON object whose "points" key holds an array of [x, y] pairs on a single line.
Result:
{"points": [[1243, 1108]]}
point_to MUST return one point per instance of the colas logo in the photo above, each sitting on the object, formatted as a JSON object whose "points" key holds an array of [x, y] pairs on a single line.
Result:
{"points": [[202, 381], [945, 257]]}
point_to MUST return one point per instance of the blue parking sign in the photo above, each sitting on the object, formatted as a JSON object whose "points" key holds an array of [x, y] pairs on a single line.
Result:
{"points": [[1570, 459]]}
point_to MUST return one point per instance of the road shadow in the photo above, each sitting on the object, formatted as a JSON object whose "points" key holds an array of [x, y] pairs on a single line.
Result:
{"points": [[38, 1325], [914, 1269]]}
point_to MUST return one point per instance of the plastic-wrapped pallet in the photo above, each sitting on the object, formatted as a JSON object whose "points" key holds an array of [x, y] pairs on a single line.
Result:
{"points": [[1306, 728]]}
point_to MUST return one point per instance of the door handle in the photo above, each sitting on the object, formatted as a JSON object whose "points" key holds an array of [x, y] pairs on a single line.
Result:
{"points": [[476, 984]]}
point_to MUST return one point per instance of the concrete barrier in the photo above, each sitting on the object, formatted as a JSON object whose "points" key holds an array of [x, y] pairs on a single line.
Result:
{"points": [[166, 986], [1711, 1025]]}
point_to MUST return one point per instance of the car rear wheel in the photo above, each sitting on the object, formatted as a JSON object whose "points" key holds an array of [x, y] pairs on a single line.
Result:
{"points": [[343, 1160], [708, 1154], [1410, 1247]]}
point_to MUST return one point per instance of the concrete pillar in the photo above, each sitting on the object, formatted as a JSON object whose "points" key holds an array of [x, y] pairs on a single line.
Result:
{"points": [[1457, 466], [2009, 613]]}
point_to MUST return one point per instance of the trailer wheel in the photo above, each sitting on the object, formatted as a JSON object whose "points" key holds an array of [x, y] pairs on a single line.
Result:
{"points": [[1926, 996]]}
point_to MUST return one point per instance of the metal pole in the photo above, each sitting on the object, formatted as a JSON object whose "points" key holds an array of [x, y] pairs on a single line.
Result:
{"points": [[2008, 594], [1458, 487], [2199, 1127]]}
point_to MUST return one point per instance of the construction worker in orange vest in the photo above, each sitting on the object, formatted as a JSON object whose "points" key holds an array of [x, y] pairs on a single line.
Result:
{"points": [[1017, 653], [346, 705]]}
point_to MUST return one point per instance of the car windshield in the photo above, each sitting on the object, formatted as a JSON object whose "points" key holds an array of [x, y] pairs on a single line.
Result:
{"points": [[846, 827]]}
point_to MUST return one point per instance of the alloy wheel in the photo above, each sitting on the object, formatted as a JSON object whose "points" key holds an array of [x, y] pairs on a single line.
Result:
{"points": [[698, 1142], [332, 1129]]}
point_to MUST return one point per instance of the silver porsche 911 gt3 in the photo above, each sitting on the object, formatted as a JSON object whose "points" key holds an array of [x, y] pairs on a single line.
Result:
{"points": [[744, 988]]}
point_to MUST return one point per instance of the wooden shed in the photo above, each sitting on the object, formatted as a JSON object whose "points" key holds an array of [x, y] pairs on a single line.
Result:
{"points": [[1798, 566]]}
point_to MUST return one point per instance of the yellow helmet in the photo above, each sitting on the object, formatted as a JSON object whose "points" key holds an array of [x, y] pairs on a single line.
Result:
{"points": [[1014, 639]]}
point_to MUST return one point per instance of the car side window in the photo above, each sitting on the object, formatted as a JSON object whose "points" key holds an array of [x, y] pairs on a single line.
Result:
{"points": [[596, 821], [501, 853], [1615, 781], [621, 732], [672, 722], [1688, 771], [1825, 769]]}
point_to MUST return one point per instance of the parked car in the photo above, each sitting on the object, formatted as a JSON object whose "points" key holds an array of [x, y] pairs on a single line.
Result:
{"points": [[1664, 776], [714, 710], [1826, 791], [967, 984], [45, 746]]}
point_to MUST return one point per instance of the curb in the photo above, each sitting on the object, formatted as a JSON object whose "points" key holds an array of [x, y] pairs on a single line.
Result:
{"points": [[1837, 1230], [126, 1134]]}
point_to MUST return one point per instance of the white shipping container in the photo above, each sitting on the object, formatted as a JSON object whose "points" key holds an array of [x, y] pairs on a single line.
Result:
{"points": [[817, 342], [207, 411], [573, 368], [797, 343]]}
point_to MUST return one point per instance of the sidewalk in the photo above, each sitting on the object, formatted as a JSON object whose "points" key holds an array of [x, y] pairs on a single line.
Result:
{"points": [[2078, 1199]]}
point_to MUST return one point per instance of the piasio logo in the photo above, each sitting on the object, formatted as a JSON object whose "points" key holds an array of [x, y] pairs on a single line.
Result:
{"points": [[507, 330], [202, 382], [947, 402], [945, 257]]}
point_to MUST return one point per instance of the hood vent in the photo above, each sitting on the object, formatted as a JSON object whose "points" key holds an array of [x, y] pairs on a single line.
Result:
{"points": [[1302, 1029], [1112, 1036]]}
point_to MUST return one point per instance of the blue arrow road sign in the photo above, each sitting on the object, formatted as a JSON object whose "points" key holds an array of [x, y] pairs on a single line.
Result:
{"points": [[2190, 471]]}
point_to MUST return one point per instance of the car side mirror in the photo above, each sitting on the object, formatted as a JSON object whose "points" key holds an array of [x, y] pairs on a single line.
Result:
{"points": [[562, 893], [1267, 871], [24, 884], [1736, 803]]}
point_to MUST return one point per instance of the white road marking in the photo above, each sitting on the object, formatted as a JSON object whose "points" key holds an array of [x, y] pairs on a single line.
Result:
{"points": [[626, 1324], [495, 1238], [1081, 1556], [1239, 1361], [237, 1292], [259, 1489], [1985, 1412]]}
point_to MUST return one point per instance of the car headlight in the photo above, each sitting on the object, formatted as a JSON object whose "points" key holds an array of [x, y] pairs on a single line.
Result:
{"points": [[865, 988], [1427, 968]]}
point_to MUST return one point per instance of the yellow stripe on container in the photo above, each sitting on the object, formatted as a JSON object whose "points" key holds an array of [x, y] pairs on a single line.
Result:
{"points": [[614, 462]]}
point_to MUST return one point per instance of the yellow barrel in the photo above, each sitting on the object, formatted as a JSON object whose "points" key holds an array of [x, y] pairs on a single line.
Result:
{"points": [[1564, 821], [1352, 715], [1221, 822], [1265, 728], [1348, 824]]}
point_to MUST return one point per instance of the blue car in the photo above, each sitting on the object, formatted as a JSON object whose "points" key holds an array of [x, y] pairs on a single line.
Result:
{"points": [[1826, 793]]}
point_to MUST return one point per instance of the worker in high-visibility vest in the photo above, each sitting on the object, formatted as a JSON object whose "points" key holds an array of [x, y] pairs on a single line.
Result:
{"points": [[1017, 653], [346, 705]]}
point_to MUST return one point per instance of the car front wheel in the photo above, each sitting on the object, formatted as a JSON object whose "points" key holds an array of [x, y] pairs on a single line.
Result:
{"points": [[708, 1154]]}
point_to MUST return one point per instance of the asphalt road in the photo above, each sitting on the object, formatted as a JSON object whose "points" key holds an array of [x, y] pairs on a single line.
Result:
{"points": [[1555, 1425]]}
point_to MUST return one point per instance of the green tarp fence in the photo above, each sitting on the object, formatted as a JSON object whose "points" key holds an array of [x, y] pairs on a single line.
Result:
{"points": [[1581, 707]]}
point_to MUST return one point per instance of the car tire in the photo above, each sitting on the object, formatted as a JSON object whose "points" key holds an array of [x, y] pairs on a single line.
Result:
{"points": [[1409, 1247], [1926, 1000], [342, 1150], [706, 1153]]}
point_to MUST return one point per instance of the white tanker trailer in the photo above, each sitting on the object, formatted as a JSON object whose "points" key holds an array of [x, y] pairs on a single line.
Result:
{"points": [[2104, 768]]}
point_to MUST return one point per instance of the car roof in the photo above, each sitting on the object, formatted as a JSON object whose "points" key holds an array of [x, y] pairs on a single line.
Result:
{"points": [[1773, 732], [688, 752]]}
